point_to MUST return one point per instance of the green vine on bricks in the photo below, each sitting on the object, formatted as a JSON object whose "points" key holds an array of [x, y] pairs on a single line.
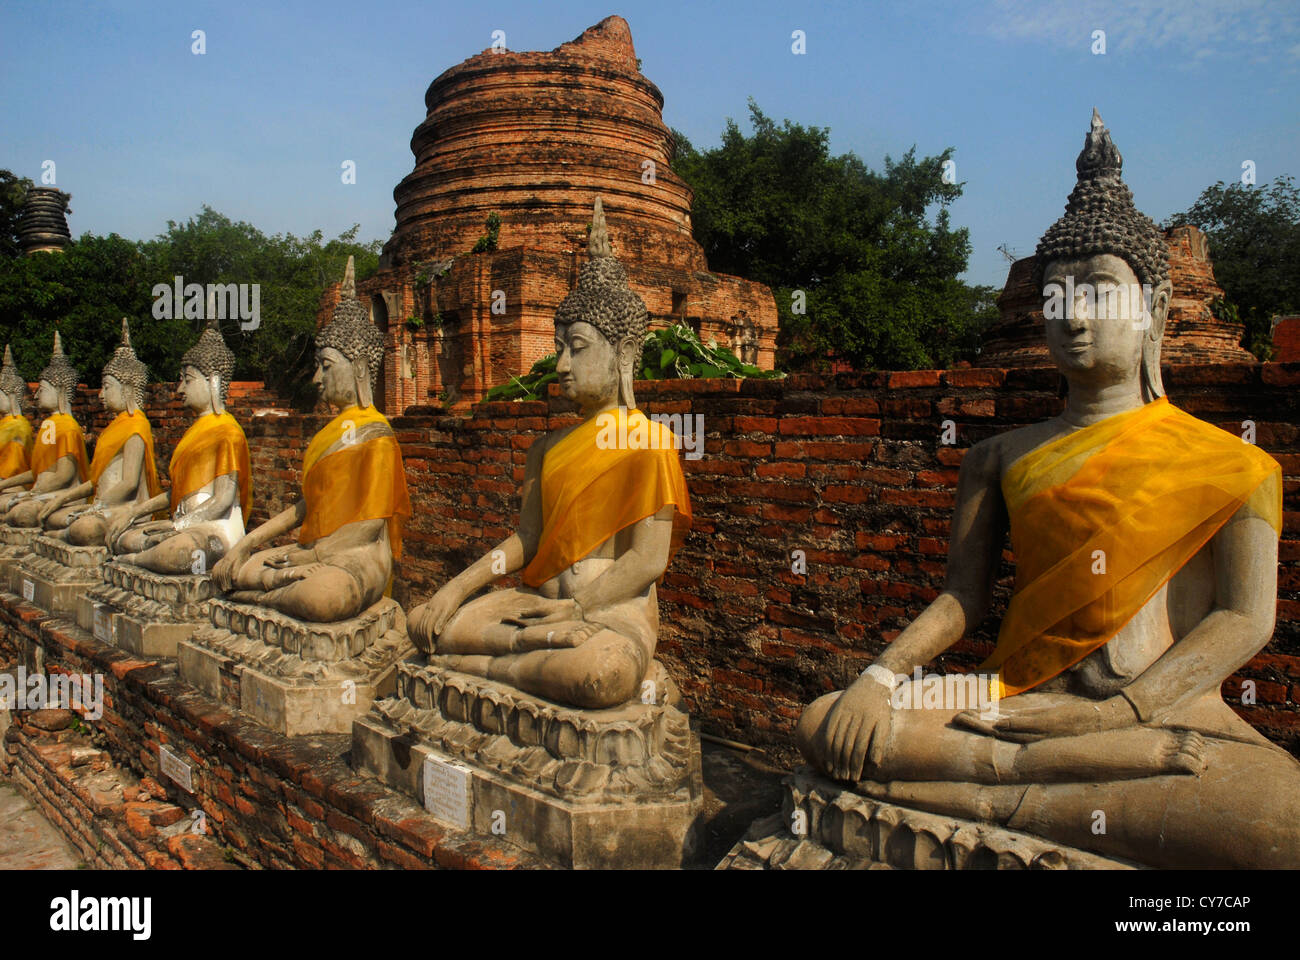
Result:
{"points": [[676, 352], [673, 353], [488, 241]]}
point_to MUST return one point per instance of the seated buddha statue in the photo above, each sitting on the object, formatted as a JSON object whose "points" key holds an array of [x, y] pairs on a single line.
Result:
{"points": [[598, 523], [354, 497], [122, 472], [211, 484], [1146, 546], [58, 460], [15, 429]]}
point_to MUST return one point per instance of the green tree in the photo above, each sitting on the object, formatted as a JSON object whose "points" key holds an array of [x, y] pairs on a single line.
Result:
{"points": [[291, 272], [876, 275], [88, 288], [13, 191], [1254, 235]]}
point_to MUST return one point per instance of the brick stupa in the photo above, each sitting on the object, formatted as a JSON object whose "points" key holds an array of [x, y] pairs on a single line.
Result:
{"points": [[1193, 334], [534, 138]]}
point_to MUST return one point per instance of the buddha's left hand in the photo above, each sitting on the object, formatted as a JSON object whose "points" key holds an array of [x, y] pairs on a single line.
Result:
{"points": [[546, 610], [1067, 718]]}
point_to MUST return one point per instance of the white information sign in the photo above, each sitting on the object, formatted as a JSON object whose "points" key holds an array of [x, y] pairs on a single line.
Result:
{"points": [[448, 791], [175, 768]]}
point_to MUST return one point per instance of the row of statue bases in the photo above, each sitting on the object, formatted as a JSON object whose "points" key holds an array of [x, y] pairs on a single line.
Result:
{"points": [[1095, 736]]}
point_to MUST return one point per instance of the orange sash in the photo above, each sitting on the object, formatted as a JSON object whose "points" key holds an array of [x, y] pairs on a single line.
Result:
{"points": [[15, 446], [212, 447], [1103, 517], [113, 439], [361, 480], [611, 471], [58, 436]]}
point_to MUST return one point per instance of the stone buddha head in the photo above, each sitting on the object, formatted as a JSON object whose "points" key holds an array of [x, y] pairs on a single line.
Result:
{"points": [[206, 369], [13, 389], [125, 378], [1104, 272], [349, 350], [58, 382], [599, 329]]}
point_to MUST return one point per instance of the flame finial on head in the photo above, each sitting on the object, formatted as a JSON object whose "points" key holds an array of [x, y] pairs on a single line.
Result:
{"points": [[350, 331], [1100, 216], [60, 371]]}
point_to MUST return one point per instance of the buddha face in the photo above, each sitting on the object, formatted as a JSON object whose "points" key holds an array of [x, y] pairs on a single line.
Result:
{"points": [[47, 396], [6, 404], [586, 365], [335, 378], [194, 390], [112, 395], [1096, 329]]}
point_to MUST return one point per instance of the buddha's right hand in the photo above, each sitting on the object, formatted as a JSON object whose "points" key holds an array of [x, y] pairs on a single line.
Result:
{"points": [[857, 729], [223, 574], [429, 619]]}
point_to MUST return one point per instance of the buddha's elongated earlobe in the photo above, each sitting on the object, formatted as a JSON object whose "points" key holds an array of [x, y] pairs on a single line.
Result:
{"points": [[361, 377], [214, 394], [1153, 387]]}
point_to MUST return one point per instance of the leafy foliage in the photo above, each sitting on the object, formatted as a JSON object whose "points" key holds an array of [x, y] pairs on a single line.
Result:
{"points": [[878, 277], [13, 191], [488, 241], [1254, 235], [88, 288], [676, 353], [671, 353]]}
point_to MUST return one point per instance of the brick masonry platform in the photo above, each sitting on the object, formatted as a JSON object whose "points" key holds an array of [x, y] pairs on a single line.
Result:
{"points": [[266, 800]]}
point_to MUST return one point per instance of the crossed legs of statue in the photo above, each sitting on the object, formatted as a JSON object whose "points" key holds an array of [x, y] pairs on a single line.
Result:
{"points": [[604, 669], [320, 592], [26, 513], [161, 549], [1202, 788]]}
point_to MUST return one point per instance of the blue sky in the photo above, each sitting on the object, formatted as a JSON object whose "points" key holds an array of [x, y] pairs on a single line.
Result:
{"points": [[143, 131]]}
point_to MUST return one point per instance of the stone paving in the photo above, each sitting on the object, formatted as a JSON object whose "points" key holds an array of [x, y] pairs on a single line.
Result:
{"points": [[27, 840]]}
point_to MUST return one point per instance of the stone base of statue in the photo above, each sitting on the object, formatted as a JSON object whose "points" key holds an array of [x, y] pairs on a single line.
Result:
{"points": [[56, 573], [825, 826], [15, 545], [296, 677], [617, 788], [144, 612]]}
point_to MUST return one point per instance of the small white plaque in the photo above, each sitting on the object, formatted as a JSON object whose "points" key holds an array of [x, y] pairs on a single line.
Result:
{"points": [[29, 590], [448, 790], [175, 768], [103, 624]]}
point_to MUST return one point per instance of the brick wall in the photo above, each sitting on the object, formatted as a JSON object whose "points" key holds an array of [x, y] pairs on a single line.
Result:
{"points": [[850, 470]]}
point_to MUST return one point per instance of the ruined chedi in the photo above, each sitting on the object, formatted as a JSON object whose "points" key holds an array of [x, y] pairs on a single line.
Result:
{"points": [[546, 700], [530, 137], [43, 225]]}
